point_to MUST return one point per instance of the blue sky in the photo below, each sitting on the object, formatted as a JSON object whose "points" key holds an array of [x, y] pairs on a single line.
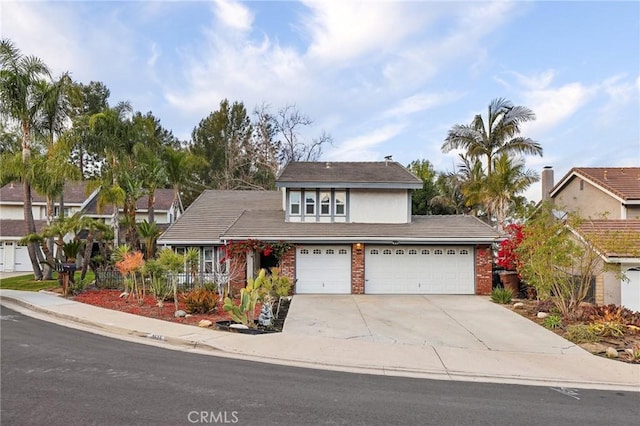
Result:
{"points": [[381, 77]]}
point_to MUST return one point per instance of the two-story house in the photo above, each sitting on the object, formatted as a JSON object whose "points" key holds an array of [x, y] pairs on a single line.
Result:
{"points": [[608, 199], [351, 231], [15, 257]]}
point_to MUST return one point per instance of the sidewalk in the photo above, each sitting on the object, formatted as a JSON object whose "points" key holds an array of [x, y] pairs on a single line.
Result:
{"points": [[575, 369]]}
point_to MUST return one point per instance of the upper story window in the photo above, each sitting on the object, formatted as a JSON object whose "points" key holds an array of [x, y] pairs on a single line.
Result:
{"points": [[294, 203], [325, 203], [340, 197], [309, 203]]}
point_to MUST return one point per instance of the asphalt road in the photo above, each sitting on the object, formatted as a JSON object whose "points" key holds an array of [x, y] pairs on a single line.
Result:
{"points": [[59, 376]]}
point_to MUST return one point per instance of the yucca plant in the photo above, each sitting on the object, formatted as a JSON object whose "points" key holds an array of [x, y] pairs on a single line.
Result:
{"points": [[501, 295]]}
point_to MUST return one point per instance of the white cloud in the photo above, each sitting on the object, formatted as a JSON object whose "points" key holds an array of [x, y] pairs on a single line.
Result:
{"points": [[361, 148], [344, 30], [420, 102], [233, 15]]}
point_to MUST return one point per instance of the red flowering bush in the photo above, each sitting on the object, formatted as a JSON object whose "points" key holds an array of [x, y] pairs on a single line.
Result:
{"points": [[507, 257], [235, 248]]}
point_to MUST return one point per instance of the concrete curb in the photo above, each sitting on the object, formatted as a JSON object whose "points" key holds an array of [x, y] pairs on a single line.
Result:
{"points": [[170, 342]]}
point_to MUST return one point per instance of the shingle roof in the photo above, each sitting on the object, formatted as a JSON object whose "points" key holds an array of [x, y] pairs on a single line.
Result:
{"points": [[383, 174], [164, 199], [214, 211], [271, 225], [624, 182], [218, 215], [74, 193], [14, 228], [613, 238]]}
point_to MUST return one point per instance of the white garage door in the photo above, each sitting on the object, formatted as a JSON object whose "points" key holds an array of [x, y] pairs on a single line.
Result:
{"points": [[23, 261], [323, 269], [630, 290], [419, 270]]}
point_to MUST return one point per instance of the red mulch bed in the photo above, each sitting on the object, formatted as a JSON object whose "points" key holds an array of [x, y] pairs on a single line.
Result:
{"points": [[110, 299]]}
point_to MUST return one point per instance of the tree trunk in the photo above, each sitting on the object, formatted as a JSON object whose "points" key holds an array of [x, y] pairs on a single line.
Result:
{"points": [[30, 228], [86, 258], [151, 206]]}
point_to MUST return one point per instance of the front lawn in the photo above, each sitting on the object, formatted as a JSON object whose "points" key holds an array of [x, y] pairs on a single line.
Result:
{"points": [[27, 283]]}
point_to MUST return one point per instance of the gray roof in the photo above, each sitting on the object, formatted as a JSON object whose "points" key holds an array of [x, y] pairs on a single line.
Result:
{"points": [[74, 193], [271, 226], [214, 211], [382, 174], [163, 203], [217, 216], [15, 228]]}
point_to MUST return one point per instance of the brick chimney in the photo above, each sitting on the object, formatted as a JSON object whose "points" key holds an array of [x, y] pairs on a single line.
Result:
{"points": [[547, 182]]}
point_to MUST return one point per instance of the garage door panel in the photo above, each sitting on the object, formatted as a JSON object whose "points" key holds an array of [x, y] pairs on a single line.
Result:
{"points": [[419, 270], [630, 290], [323, 270]]}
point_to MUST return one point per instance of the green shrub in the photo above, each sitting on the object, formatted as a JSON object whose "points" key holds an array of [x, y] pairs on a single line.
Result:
{"points": [[607, 329], [501, 295], [581, 333], [211, 286], [552, 322], [201, 301]]}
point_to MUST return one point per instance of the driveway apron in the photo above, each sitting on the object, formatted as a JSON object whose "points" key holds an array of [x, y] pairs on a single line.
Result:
{"points": [[465, 322]]}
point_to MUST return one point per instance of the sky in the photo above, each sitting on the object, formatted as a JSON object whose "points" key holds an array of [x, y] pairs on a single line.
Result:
{"points": [[381, 77]]}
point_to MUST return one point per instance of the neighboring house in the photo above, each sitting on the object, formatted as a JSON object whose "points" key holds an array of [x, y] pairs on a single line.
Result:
{"points": [[351, 231], [15, 257], [608, 198]]}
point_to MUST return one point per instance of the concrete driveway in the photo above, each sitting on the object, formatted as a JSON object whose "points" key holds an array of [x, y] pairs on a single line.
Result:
{"points": [[465, 322]]}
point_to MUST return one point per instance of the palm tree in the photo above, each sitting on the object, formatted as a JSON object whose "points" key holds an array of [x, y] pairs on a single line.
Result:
{"points": [[498, 135], [179, 165], [149, 232], [509, 179], [112, 129], [22, 99]]}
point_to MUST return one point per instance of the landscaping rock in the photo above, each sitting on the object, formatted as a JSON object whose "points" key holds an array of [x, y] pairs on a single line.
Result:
{"points": [[188, 316], [239, 326], [180, 314], [518, 305], [594, 348], [611, 352], [205, 323], [123, 295], [542, 315]]}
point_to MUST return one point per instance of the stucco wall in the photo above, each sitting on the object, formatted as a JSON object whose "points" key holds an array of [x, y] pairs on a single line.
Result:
{"points": [[368, 206], [589, 202]]}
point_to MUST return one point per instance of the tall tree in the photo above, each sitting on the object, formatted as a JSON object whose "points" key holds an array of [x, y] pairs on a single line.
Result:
{"points": [[86, 101], [287, 125], [498, 134], [224, 140], [420, 198], [179, 166], [509, 178], [22, 99], [112, 128]]}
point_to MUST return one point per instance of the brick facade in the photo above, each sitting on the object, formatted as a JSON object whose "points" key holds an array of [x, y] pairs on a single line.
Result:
{"points": [[357, 268], [484, 269], [288, 266]]}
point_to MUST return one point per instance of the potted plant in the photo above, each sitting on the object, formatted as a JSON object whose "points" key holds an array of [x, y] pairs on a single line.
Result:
{"points": [[507, 259]]}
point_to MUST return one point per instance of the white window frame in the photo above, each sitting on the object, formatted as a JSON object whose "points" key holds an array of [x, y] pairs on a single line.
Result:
{"points": [[340, 202], [310, 195], [325, 204], [293, 197]]}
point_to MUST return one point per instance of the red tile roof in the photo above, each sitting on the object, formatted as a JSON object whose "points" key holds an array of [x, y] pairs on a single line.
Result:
{"points": [[621, 181], [614, 238]]}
